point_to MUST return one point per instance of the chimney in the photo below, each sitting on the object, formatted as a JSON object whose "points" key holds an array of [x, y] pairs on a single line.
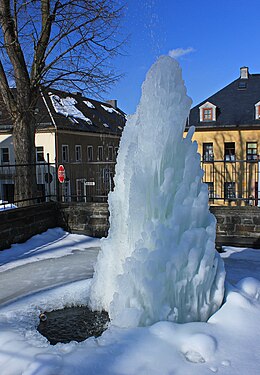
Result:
{"points": [[244, 72], [112, 102]]}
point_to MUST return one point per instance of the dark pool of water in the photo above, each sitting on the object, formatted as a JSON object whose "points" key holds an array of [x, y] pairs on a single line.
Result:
{"points": [[72, 324]]}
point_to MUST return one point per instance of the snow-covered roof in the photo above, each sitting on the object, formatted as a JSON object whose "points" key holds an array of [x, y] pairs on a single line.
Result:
{"points": [[67, 107], [71, 111], [74, 111]]}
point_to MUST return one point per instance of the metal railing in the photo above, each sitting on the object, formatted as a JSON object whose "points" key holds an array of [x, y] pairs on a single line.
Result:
{"points": [[45, 177], [232, 182], [82, 182]]}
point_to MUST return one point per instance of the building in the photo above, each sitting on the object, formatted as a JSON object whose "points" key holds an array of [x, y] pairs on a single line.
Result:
{"points": [[80, 133], [228, 135]]}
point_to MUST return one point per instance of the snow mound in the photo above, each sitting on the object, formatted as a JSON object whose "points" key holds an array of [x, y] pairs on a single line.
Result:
{"points": [[250, 286]]}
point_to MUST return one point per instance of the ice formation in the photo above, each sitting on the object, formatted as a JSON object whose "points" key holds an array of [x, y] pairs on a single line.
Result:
{"points": [[159, 260]]}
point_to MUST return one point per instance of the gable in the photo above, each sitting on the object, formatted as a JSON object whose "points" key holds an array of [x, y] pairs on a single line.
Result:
{"points": [[207, 112]]}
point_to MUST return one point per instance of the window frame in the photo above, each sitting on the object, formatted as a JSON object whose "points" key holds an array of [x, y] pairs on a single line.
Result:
{"points": [[63, 148], [78, 153], [249, 154], [4, 154], [110, 153], [230, 156], [40, 159], [100, 157], [207, 117], [210, 189], [206, 155], [257, 111], [229, 186], [90, 154]]}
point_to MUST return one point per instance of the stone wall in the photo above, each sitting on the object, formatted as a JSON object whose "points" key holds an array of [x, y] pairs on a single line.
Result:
{"points": [[238, 226], [19, 224], [88, 218]]}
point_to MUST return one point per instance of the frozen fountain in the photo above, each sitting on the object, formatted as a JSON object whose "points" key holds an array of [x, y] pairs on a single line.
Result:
{"points": [[159, 260]]}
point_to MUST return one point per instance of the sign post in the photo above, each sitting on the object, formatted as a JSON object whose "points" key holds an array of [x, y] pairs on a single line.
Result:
{"points": [[61, 174]]}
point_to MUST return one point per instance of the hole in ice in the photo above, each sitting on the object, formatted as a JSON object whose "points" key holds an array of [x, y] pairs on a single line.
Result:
{"points": [[194, 357], [72, 324]]}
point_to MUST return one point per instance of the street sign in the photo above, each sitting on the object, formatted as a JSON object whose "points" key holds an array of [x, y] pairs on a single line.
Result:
{"points": [[89, 183], [61, 174]]}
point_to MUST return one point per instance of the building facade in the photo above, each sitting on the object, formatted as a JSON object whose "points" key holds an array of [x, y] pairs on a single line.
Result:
{"points": [[227, 130], [79, 133]]}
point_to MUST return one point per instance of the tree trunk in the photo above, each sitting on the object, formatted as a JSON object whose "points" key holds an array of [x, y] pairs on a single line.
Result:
{"points": [[24, 148]]}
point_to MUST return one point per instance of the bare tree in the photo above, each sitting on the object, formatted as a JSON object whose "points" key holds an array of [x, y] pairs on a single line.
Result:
{"points": [[64, 43]]}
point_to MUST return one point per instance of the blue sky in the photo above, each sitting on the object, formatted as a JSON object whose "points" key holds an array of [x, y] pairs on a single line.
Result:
{"points": [[218, 37]]}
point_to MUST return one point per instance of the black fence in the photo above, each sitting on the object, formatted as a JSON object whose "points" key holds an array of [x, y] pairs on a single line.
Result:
{"points": [[75, 182], [229, 182], [232, 182]]}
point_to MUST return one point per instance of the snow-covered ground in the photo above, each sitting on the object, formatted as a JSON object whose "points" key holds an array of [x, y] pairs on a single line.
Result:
{"points": [[228, 344], [4, 205]]}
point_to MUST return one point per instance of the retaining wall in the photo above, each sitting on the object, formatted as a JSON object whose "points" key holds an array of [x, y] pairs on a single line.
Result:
{"points": [[19, 224], [88, 218], [236, 226]]}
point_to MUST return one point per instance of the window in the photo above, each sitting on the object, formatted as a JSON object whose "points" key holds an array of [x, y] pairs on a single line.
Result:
{"points": [[229, 190], [208, 152], [78, 153], [229, 152], [100, 153], [257, 111], [242, 85], [65, 153], [207, 114], [110, 153], [5, 155], [39, 154], [210, 189], [90, 153], [251, 151]]}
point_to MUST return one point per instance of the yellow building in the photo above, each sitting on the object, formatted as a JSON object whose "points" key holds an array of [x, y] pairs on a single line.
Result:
{"points": [[227, 130]]}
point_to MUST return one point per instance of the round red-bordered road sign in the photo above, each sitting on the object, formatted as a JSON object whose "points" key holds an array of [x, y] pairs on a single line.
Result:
{"points": [[61, 173]]}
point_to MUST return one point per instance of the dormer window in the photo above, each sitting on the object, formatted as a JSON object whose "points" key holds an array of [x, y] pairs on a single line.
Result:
{"points": [[257, 111], [207, 112]]}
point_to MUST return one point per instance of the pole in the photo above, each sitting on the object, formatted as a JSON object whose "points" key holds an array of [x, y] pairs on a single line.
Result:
{"points": [[258, 183], [49, 175]]}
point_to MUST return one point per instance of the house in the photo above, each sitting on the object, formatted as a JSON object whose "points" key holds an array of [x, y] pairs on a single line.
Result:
{"points": [[79, 133], [228, 135]]}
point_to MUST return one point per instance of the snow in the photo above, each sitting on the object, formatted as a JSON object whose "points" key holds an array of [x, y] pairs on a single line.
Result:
{"points": [[67, 107], [173, 269], [89, 104], [4, 205], [110, 109], [165, 266], [228, 343], [45, 246]]}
